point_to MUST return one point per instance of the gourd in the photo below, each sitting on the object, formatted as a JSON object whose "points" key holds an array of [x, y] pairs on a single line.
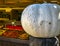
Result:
{"points": [[41, 20]]}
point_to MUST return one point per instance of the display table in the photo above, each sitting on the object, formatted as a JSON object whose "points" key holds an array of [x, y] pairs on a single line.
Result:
{"points": [[13, 42]]}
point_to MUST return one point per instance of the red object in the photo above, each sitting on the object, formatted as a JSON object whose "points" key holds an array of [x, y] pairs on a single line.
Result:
{"points": [[12, 27], [11, 34]]}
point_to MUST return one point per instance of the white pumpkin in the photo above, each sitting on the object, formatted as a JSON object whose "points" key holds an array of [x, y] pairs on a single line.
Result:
{"points": [[40, 20], [59, 25], [59, 21]]}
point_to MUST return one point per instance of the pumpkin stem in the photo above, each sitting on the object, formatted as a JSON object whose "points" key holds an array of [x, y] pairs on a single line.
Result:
{"points": [[57, 42], [44, 1]]}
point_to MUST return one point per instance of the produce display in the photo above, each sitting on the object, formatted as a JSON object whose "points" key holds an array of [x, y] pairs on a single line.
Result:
{"points": [[23, 36], [11, 34], [11, 31], [16, 27], [2, 31]]}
